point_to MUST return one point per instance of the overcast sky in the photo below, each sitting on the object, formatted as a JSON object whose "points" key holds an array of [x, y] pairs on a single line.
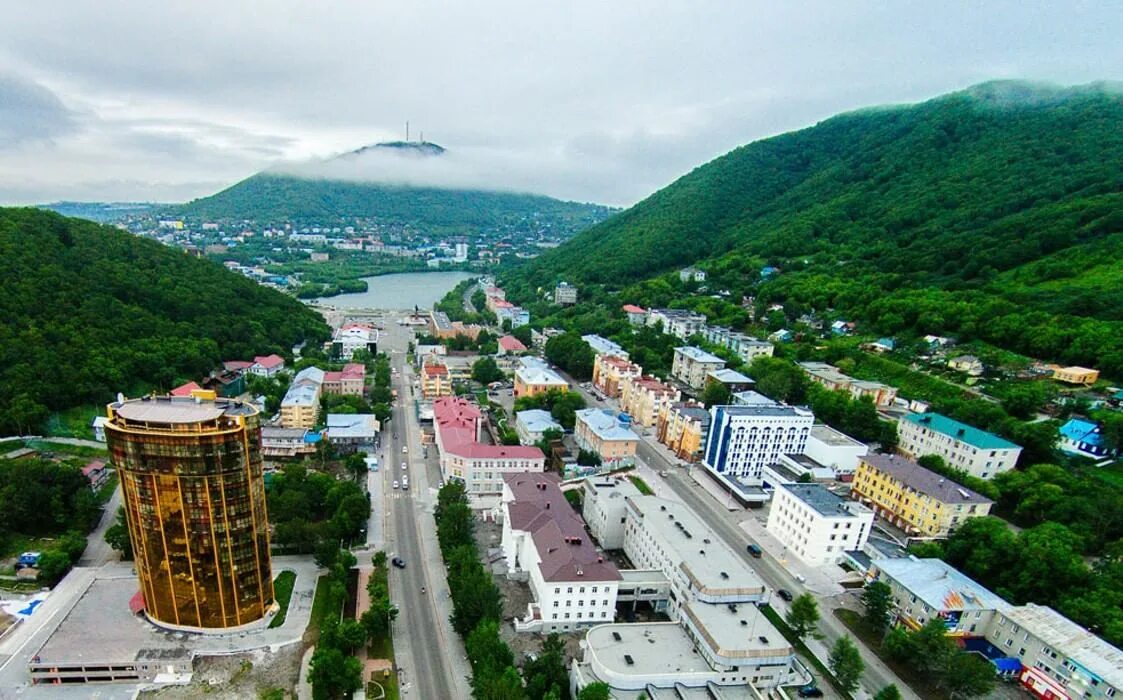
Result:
{"points": [[595, 101]]}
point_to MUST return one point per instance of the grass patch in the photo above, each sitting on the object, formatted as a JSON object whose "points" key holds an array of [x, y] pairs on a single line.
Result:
{"points": [[62, 449], [853, 622], [801, 648], [641, 485], [74, 422], [106, 491], [382, 648], [322, 607], [282, 591], [1110, 474], [390, 685]]}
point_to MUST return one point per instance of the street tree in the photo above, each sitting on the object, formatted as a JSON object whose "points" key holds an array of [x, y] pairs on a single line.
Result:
{"points": [[967, 676], [846, 663], [803, 615], [889, 692], [877, 599], [595, 691]]}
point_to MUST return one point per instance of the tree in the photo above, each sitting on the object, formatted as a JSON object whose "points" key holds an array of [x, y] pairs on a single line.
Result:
{"points": [[967, 676], [486, 371], [803, 615], [53, 565], [351, 635], [588, 458], [878, 600], [889, 692], [548, 673], [334, 675], [716, 394], [846, 663], [356, 464], [117, 536], [595, 691]]}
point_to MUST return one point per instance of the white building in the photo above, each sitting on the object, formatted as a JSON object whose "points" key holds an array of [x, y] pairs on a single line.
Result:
{"points": [[604, 346], [743, 440], [817, 525], [688, 274], [530, 425], [747, 347], [267, 365], [961, 446], [480, 467], [835, 450], [565, 294], [351, 337], [573, 584], [691, 365], [677, 322]]}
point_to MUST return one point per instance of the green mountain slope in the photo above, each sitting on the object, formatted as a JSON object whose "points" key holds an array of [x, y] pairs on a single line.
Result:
{"points": [[993, 212], [88, 311], [269, 197]]}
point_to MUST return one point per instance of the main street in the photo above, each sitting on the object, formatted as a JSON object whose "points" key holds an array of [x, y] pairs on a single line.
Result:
{"points": [[429, 654]]}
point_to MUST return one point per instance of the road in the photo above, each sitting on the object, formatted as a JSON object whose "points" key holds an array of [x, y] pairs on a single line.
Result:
{"points": [[98, 550], [424, 642], [725, 524]]}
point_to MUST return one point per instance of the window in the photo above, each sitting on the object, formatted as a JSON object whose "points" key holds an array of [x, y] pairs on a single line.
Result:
{"points": [[555, 603], [555, 616]]}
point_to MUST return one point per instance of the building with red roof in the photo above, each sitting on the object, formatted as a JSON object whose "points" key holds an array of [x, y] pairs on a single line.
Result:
{"points": [[509, 345], [348, 382], [610, 372], [435, 381], [185, 389], [573, 584], [96, 473], [267, 365], [637, 315], [464, 457]]}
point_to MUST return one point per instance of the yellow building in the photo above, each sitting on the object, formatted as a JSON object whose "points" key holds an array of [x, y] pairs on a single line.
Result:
{"points": [[1076, 375], [609, 373], [608, 434], [913, 498], [535, 378], [435, 381], [642, 397], [194, 497], [683, 428]]}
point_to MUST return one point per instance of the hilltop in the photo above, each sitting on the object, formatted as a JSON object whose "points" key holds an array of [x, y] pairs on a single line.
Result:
{"points": [[995, 212], [89, 310]]}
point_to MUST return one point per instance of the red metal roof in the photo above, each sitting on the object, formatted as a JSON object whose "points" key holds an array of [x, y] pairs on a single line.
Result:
{"points": [[136, 603], [510, 343], [269, 361], [186, 389], [96, 465], [633, 309], [456, 419]]}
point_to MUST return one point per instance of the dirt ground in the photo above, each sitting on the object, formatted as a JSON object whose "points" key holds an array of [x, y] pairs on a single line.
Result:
{"points": [[248, 675]]}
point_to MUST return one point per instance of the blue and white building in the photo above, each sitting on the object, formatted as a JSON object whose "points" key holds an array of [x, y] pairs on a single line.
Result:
{"points": [[1083, 437], [743, 440]]}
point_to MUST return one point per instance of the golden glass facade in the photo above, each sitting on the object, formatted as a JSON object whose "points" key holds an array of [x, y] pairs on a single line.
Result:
{"points": [[194, 495]]}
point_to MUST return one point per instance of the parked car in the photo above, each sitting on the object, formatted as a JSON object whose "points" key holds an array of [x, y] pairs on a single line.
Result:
{"points": [[784, 594], [405, 449], [755, 551], [398, 562], [810, 691], [395, 483], [404, 466]]}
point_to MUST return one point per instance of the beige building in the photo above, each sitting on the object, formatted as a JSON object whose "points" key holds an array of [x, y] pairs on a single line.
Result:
{"points": [[643, 397], [827, 375], [609, 373], [608, 434], [691, 366], [1076, 375], [300, 408], [435, 381], [683, 427]]}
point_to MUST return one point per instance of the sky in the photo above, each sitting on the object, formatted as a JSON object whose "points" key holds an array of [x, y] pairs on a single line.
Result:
{"points": [[591, 101]]}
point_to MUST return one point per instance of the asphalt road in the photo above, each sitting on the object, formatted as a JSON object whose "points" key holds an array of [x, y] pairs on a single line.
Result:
{"points": [[424, 668]]}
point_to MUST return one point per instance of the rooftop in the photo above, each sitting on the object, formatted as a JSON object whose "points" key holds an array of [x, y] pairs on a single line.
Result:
{"points": [[540, 376], [185, 389], [834, 438], [961, 431], [752, 398], [730, 376], [655, 648], [939, 585], [564, 547], [1072, 640], [704, 557], [633, 309], [536, 420], [606, 424], [178, 410], [1079, 430], [511, 344], [923, 480], [648, 383], [823, 501], [763, 410], [269, 361], [455, 421], [301, 395], [352, 425], [436, 370], [604, 346], [698, 355], [738, 631]]}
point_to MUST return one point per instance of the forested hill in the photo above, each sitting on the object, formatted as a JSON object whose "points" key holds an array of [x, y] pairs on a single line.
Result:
{"points": [[275, 197], [88, 311], [996, 212]]}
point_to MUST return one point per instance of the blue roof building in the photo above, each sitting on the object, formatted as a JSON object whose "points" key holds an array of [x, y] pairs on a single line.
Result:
{"points": [[1083, 437]]}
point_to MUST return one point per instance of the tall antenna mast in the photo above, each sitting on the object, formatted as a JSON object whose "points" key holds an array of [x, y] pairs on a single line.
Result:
{"points": [[407, 131]]}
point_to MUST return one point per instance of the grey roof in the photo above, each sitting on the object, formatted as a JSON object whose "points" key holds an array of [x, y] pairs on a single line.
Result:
{"points": [[939, 585], [821, 500], [606, 424], [1072, 640], [536, 420], [698, 354], [752, 398], [730, 376], [923, 480], [763, 410], [352, 425], [827, 434], [179, 409]]}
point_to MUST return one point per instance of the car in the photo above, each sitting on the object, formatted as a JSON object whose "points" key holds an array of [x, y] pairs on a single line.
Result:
{"points": [[404, 466], [810, 691], [405, 450], [395, 483], [423, 589], [784, 594], [405, 484], [755, 551], [398, 562]]}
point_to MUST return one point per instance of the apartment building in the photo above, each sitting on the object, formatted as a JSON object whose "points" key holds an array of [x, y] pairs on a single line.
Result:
{"points": [[604, 346], [924, 589], [610, 372], [534, 377], [480, 467], [961, 446], [743, 440], [608, 434], [677, 322], [572, 584], [532, 424], [827, 375], [816, 524], [351, 337], [348, 382], [747, 347], [637, 315], [435, 381], [683, 428], [300, 407], [267, 365], [913, 498], [691, 365], [835, 450], [565, 294], [506, 311], [642, 397], [732, 379]]}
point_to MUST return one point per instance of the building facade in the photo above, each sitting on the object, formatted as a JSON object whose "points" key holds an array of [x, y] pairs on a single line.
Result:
{"points": [[194, 497], [300, 407], [565, 294], [677, 322], [350, 381], [435, 381], [533, 379], [817, 525], [480, 467], [604, 346], [826, 375], [608, 434], [683, 428], [913, 498], [691, 365], [961, 446], [643, 397], [743, 440], [351, 337], [610, 372], [836, 450]]}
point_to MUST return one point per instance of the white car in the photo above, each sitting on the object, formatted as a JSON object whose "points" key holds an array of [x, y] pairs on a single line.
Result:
{"points": [[405, 450], [404, 466], [395, 483]]}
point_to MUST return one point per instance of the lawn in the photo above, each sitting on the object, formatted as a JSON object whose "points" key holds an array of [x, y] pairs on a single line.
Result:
{"points": [[58, 448], [822, 671], [1111, 474], [321, 608], [282, 590], [641, 485], [853, 622], [74, 422]]}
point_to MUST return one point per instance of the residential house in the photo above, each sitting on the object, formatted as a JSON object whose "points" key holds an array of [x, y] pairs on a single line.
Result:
{"points": [[642, 397], [968, 364], [637, 316], [610, 372], [827, 375], [608, 434], [604, 346], [530, 425], [677, 322], [732, 379], [96, 473], [683, 428], [300, 407], [350, 432], [510, 345], [435, 381], [536, 378], [961, 446], [98, 425], [1076, 375], [816, 524], [565, 294], [1083, 437], [691, 274], [913, 498], [267, 365], [691, 365]]}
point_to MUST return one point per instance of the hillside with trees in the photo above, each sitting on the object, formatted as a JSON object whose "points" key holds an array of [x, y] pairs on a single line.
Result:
{"points": [[89, 310], [964, 215]]}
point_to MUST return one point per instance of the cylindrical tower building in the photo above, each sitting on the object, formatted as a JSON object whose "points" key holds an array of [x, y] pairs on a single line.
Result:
{"points": [[191, 476]]}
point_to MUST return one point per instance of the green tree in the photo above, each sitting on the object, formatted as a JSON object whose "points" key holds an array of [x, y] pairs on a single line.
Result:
{"points": [[595, 691], [878, 601], [352, 635], [334, 675], [486, 371], [889, 692], [117, 536], [846, 663], [588, 458], [967, 676], [547, 672], [803, 615], [716, 394]]}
